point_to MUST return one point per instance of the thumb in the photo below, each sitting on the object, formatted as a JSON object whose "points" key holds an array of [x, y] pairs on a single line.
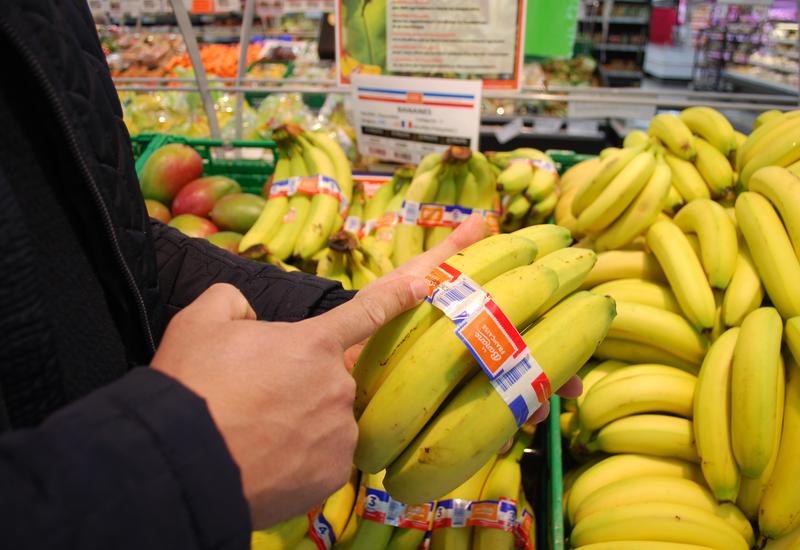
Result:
{"points": [[221, 302], [374, 306]]}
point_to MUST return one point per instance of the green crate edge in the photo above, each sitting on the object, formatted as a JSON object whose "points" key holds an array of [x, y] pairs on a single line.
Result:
{"points": [[556, 478], [250, 174]]}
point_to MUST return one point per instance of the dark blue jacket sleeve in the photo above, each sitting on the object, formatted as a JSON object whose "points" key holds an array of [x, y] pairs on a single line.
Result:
{"points": [[186, 267], [136, 465]]}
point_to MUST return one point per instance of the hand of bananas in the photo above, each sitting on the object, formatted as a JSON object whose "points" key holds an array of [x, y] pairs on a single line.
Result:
{"points": [[300, 225], [528, 182], [353, 518]]}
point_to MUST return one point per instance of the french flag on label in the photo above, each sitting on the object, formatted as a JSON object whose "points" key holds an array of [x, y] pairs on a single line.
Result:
{"points": [[432, 99]]}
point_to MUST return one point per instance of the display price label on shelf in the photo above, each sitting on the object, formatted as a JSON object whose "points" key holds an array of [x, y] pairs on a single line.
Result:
{"points": [[402, 119]]}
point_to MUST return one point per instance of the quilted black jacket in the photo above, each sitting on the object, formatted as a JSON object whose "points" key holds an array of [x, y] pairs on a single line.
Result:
{"points": [[94, 452]]}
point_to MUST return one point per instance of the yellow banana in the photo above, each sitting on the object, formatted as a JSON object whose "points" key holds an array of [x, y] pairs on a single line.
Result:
{"points": [[771, 250], [712, 418], [636, 352], [446, 194], [542, 184], [640, 291], [754, 381], [281, 244], [623, 264], [752, 490], [372, 535], [597, 373], [634, 138], [360, 274], [712, 126], [270, 218], [641, 213], [435, 365], [794, 168], [790, 541], [780, 508], [782, 189], [563, 211], [458, 538], [783, 150], [406, 538], [717, 234], [674, 134], [653, 393], [481, 262], [669, 490], [409, 238], [667, 522], [579, 173], [744, 293], [515, 179], [641, 545], [715, 169], [792, 337], [766, 116], [684, 272], [658, 328], [626, 466], [654, 434], [606, 171], [672, 203], [503, 482], [687, 179], [644, 369], [547, 237], [763, 137], [542, 210], [476, 421]]}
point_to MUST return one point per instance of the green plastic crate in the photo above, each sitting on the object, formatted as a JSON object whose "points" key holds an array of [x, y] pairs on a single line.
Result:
{"points": [[566, 159], [220, 158]]}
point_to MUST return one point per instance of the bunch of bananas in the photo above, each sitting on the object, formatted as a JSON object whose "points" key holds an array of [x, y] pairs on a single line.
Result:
{"points": [[528, 182], [457, 177], [299, 225], [351, 262], [426, 412]]}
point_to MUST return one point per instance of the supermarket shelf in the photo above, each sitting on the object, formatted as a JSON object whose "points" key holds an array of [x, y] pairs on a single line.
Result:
{"points": [[759, 83], [620, 47], [611, 73], [620, 20], [776, 68], [785, 41]]}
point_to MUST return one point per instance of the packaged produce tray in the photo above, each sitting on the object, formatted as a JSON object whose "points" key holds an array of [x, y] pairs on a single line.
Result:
{"points": [[250, 163]]}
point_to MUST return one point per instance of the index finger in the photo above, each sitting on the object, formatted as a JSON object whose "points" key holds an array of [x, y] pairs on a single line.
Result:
{"points": [[374, 306]]}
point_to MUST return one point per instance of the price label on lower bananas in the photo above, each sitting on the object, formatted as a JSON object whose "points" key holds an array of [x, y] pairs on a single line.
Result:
{"points": [[522, 531], [451, 513], [492, 339], [320, 530], [309, 185], [430, 214], [402, 119], [494, 514]]}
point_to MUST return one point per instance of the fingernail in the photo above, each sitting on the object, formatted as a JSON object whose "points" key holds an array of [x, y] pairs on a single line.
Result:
{"points": [[419, 288]]}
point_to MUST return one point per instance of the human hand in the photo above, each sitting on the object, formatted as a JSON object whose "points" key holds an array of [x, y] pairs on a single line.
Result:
{"points": [[278, 392]]}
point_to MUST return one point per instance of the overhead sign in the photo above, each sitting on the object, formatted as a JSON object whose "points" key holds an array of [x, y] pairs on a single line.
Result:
{"points": [[403, 119], [467, 39]]}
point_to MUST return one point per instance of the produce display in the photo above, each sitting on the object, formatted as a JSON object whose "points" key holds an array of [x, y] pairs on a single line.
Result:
{"points": [[363, 516], [679, 305], [686, 433]]}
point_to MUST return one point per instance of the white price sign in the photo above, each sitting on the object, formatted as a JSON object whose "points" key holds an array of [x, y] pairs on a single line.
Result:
{"points": [[299, 6], [403, 119]]}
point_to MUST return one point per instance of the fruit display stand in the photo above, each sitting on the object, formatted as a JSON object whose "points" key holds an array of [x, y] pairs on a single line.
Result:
{"points": [[243, 161]]}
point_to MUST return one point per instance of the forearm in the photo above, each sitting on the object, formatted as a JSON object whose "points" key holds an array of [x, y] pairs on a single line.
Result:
{"points": [[138, 464], [189, 266]]}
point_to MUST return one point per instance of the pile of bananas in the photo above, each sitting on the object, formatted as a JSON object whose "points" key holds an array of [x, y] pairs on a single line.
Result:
{"points": [[500, 478], [426, 413], [696, 155], [692, 372], [528, 182], [299, 225]]}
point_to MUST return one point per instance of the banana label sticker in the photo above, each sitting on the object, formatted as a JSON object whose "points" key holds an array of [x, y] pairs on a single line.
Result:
{"points": [[536, 163], [452, 513], [522, 531], [494, 514], [431, 214], [492, 339], [320, 530], [310, 185], [376, 505]]}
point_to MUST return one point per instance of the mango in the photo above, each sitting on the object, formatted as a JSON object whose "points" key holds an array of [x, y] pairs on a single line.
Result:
{"points": [[198, 197], [193, 226], [237, 212], [157, 210], [167, 170], [229, 240]]}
